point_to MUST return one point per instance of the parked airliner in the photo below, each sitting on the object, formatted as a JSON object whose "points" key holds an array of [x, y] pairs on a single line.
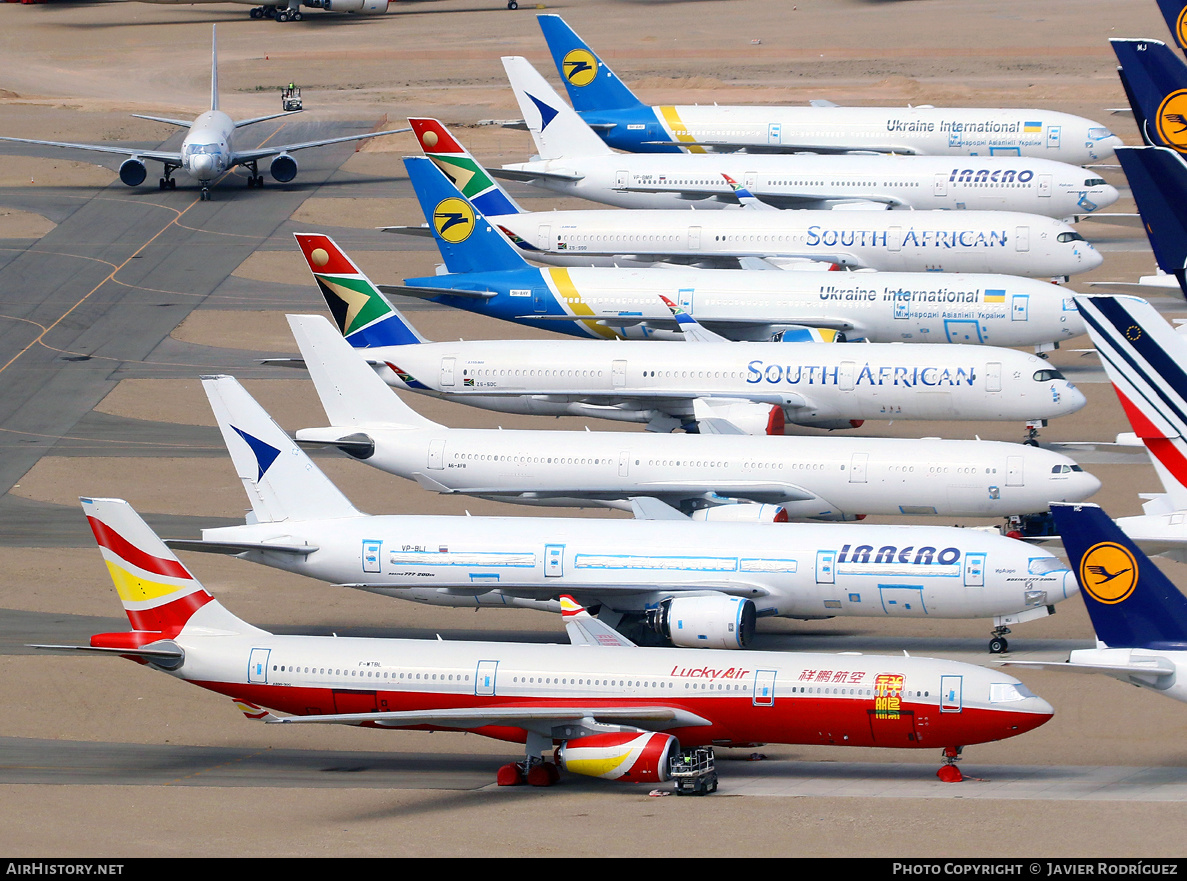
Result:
{"points": [[1175, 13], [290, 10], [1144, 358], [915, 241], [1139, 616], [710, 477], [572, 160], [692, 583], [1158, 179], [754, 386], [626, 123], [488, 276], [207, 151], [612, 709]]}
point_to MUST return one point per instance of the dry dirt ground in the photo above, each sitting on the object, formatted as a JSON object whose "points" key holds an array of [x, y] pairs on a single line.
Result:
{"points": [[74, 71]]}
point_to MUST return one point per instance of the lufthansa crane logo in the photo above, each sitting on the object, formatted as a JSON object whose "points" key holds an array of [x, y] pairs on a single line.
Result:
{"points": [[580, 67], [1172, 120], [453, 219], [1181, 27], [1108, 572]]}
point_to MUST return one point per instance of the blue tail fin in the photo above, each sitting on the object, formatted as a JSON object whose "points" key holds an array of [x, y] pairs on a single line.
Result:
{"points": [[1131, 603], [590, 83], [1175, 13], [468, 242], [1156, 85], [1158, 179]]}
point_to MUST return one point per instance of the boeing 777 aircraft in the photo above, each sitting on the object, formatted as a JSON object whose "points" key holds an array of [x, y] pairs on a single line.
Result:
{"points": [[488, 276], [572, 160], [207, 151], [890, 241], [626, 123], [610, 709], [736, 478], [691, 583], [1139, 616], [752, 386]]}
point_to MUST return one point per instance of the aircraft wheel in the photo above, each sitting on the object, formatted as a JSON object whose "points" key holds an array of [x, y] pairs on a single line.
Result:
{"points": [[297, 16], [251, 182], [282, 15], [256, 12], [509, 775], [544, 774], [164, 183], [172, 184], [998, 644], [511, 4]]}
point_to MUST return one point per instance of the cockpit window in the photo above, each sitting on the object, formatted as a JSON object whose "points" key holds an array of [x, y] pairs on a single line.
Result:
{"points": [[1047, 375], [1096, 182], [1002, 692], [1099, 133], [1070, 237]]}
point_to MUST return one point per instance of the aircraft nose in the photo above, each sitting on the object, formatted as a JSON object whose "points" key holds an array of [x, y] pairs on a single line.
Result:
{"points": [[1090, 257], [1106, 145], [1075, 487], [1070, 398], [1106, 196], [202, 166]]}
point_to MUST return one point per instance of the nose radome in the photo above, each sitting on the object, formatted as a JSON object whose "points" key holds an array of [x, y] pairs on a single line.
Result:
{"points": [[1108, 195], [1071, 398], [201, 166], [1092, 258]]}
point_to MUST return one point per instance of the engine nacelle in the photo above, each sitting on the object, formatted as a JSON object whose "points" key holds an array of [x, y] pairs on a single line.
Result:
{"points": [[743, 512], [705, 622], [753, 418], [133, 172], [798, 333], [283, 168], [630, 756], [362, 7]]}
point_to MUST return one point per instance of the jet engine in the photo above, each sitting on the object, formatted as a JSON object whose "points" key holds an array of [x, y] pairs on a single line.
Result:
{"points": [[283, 168], [362, 7], [630, 756], [707, 622], [133, 172], [752, 418], [742, 512]]}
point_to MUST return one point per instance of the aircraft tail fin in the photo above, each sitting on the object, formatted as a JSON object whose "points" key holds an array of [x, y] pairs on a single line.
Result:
{"points": [[364, 315], [590, 83], [280, 480], [1175, 13], [1158, 179], [556, 128], [351, 393], [467, 240], [159, 594], [1131, 603], [1155, 77], [214, 67], [460, 166]]}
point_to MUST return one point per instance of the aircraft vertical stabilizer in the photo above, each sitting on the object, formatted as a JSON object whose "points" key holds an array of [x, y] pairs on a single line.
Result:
{"points": [[214, 67], [555, 127], [1158, 178], [457, 164], [1175, 13], [590, 83]]}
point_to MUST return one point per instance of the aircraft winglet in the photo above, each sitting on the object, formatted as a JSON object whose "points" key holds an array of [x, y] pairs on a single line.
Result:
{"points": [[692, 329]]}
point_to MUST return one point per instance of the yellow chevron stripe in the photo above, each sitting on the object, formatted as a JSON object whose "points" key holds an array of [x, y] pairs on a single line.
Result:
{"points": [[571, 298], [134, 589], [677, 128]]}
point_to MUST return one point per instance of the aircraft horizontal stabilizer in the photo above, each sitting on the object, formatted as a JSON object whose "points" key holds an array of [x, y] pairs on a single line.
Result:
{"points": [[421, 230], [1138, 666], [234, 547], [430, 293], [161, 653], [527, 177]]}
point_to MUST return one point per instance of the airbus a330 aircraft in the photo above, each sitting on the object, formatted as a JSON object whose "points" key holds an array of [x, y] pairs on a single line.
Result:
{"points": [[572, 160], [626, 123], [734, 478], [1144, 358], [207, 151], [753, 386], [695, 584], [488, 276], [1139, 616], [612, 709], [916, 241]]}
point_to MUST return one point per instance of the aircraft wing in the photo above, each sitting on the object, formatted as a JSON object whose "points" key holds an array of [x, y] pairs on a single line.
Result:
{"points": [[429, 293], [527, 177], [775, 200], [759, 491], [181, 123], [536, 717], [725, 147], [172, 158], [584, 629], [538, 591], [264, 152]]}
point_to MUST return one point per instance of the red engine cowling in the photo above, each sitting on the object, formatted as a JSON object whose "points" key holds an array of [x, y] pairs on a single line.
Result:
{"points": [[630, 756]]}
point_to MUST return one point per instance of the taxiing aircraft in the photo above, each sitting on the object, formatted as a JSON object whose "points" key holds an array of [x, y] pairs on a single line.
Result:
{"points": [[572, 160], [207, 151], [1139, 616], [611, 709], [916, 241], [709, 477], [1145, 358], [488, 276], [664, 575], [753, 386], [626, 123]]}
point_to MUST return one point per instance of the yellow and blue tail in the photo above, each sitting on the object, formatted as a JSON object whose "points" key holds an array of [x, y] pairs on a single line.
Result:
{"points": [[1131, 603], [590, 83]]}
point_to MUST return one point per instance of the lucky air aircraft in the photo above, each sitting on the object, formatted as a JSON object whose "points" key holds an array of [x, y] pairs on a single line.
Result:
{"points": [[914, 241], [610, 708], [625, 123], [1139, 616], [488, 276], [709, 477], [753, 386], [1144, 358], [572, 160], [695, 584], [207, 151]]}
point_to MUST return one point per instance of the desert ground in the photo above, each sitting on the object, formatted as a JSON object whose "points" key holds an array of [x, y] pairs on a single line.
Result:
{"points": [[75, 71]]}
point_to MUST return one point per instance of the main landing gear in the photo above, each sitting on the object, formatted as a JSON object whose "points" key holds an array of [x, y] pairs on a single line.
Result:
{"points": [[948, 772], [167, 182], [998, 643], [254, 178], [533, 771], [511, 4]]}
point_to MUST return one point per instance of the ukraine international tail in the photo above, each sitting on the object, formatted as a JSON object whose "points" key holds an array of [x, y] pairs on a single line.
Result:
{"points": [[590, 83]]}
